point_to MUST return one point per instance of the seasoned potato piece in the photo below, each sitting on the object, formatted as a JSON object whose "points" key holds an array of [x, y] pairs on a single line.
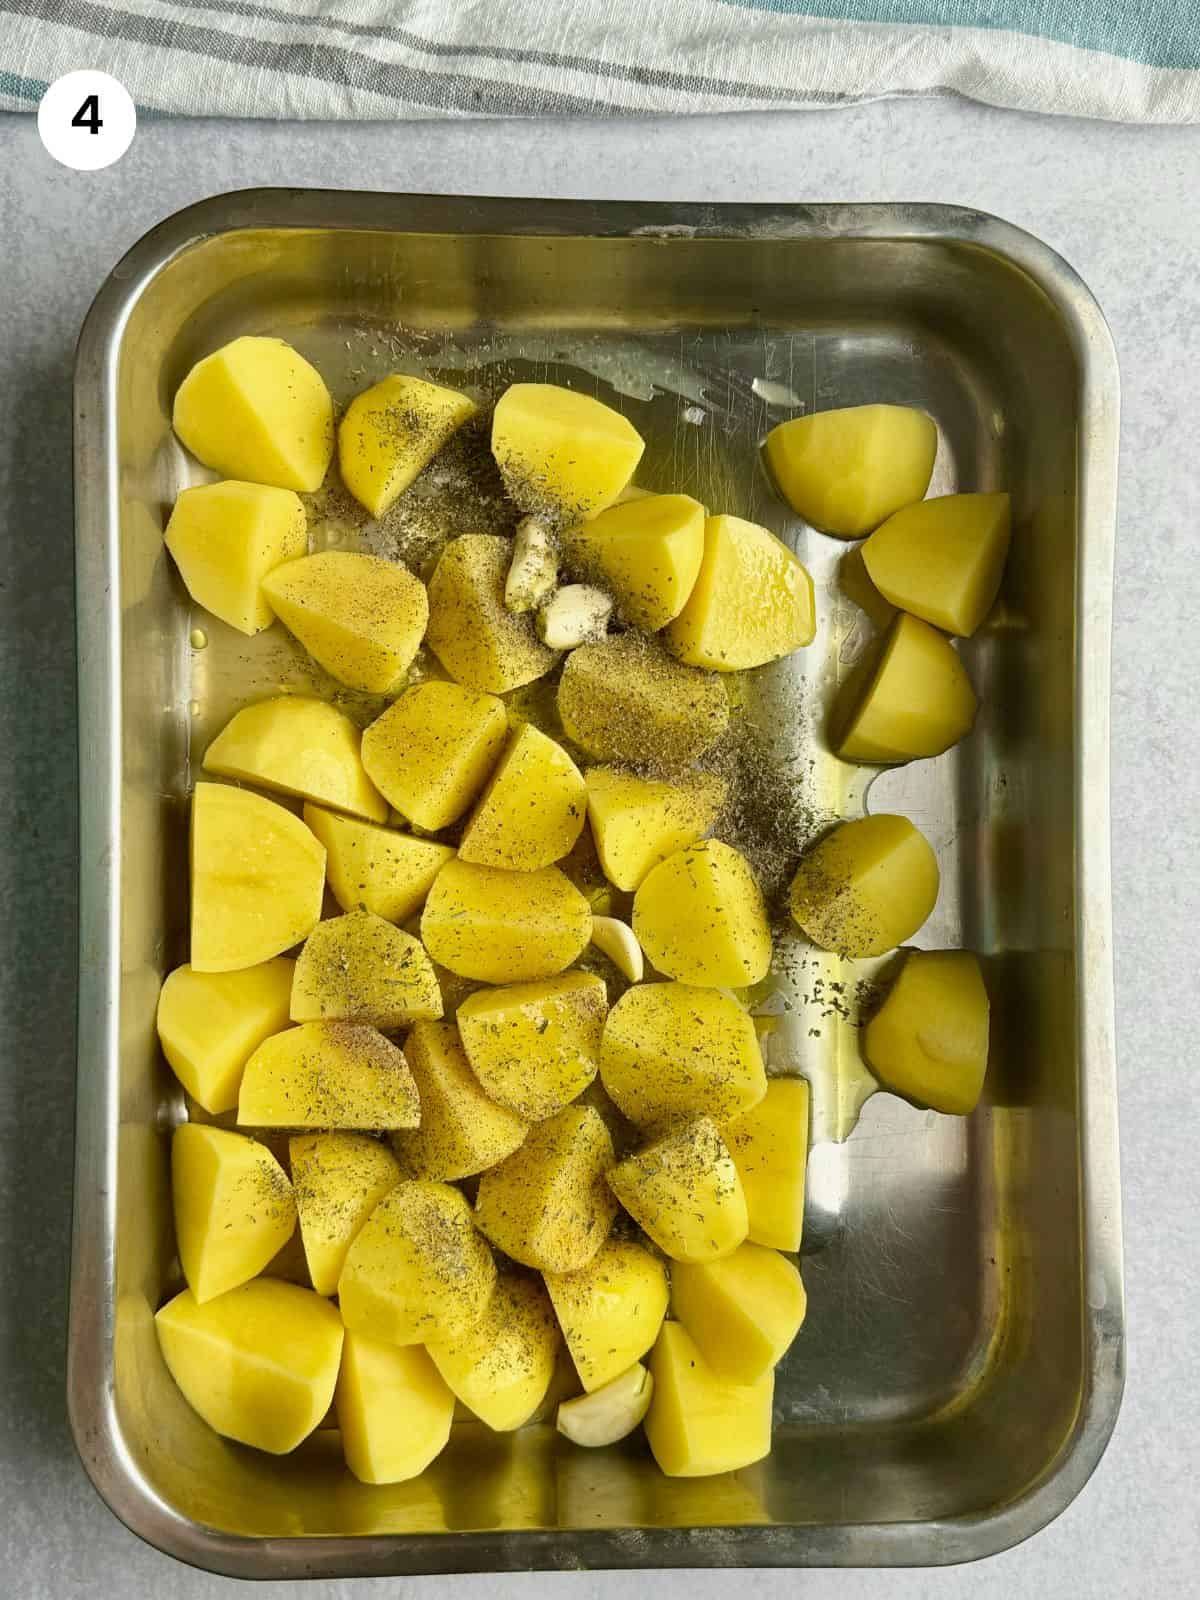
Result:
{"points": [[432, 751], [685, 1192], [699, 1424], [478, 641], [417, 1271], [233, 1207], [638, 822], [673, 1051], [300, 746], [493, 926], [258, 876], [393, 1408], [535, 1046], [225, 538], [742, 1311], [376, 868], [769, 1146], [501, 1368], [462, 1132], [533, 809], [752, 601], [611, 1311], [846, 470], [563, 456], [917, 701], [627, 700], [548, 1205], [866, 887], [339, 1179], [328, 1075], [255, 409], [700, 917], [929, 1039], [393, 430], [259, 1364], [359, 968], [210, 1023], [942, 559], [646, 552]]}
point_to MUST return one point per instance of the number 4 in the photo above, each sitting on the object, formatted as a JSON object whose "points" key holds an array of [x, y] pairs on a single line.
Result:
{"points": [[88, 115]]}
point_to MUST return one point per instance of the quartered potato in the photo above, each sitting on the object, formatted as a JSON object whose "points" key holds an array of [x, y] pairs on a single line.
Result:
{"points": [[929, 1039], [769, 1146], [476, 638], [462, 1131], [432, 751], [742, 1311], [338, 1180], [535, 1046], [501, 1368], [752, 601], [328, 1075], [298, 746], [699, 1424], [916, 702], [563, 456], [226, 538], [391, 432], [638, 822], [496, 926], [611, 1310], [942, 559], [210, 1023], [374, 868], [393, 1408], [846, 470], [359, 968], [700, 917], [626, 699], [233, 1207], [532, 810], [685, 1192], [866, 887], [645, 552]]}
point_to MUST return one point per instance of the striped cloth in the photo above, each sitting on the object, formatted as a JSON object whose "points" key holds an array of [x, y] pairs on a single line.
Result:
{"points": [[1128, 60]]}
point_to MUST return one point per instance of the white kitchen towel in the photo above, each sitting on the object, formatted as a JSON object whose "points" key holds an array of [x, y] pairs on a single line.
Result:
{"points": [[1127, 60]]}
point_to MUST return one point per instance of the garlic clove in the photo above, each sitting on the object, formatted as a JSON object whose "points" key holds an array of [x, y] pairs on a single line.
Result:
{"points": [[608, 1414], [574, 615], [533, 569], [617, 941]]}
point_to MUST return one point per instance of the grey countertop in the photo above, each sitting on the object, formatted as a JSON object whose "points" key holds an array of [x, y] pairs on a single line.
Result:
{"points": [[1120, 203]]}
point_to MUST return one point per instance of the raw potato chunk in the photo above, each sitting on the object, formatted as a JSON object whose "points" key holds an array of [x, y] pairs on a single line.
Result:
{"points": [[502, 1367], [769, 1146], [752, 602], [339, 1179], [743, 1312], [432, 751], [255, 409], [298, 746], [494, 926], [417, 1271], [929, 1039], [943, 559], [210, 1023], [478, 641], [462, 1132], [611, 1311], [685, 1192], [358, 616], [533, 809], [393, 1410], [258, 876], [376, 868], [645, 552], [535, 1046], [866, 887], [672, 1051], [638, 822], [699, 1424], [563, 456], [627, 700], [328, 1075], [846, 470], [700, 917], [233, 1207], [226, 537], [359, 968], [917, 701], [259, 1364], [548, 1205], [391, 432]]}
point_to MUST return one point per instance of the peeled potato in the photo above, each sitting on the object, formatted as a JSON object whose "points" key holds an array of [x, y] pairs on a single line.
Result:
{"points": [[233, 1207], [625, 699], [226, 538], [699, 1424], [359, 968], [338, 1179], [610, 1311], [432, 751], [497, 926], [479, 642], [535, 1046], [752, 601], [846, 470], [210, 1023], [391, 432], [328, 1075], [943, 559], [394, 1410], [563, 456], [700, 917], [866, 887], [462, 1131], [685, 1192], [929, 1039], [501, 1368], [299, 746], [743, 1311], [533, 808], [917, 700], [638, 822], [769, 1146], [646, 552], [376, 868]]}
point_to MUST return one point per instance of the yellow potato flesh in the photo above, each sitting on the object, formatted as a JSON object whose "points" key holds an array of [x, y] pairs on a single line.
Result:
{"points": [[432, 751], [673, 1051], [548, 1205], [391, 432], [502, 1367], [479, 642], [298, 746], [417, 1271], [258, 877], [752, 601], [917, 701], [339, 1179], [533, 808], [495, 926], [625, 699], [611, 1311], [328, 1075], [462, 1131], [233, 1207], [700, 917], [563, 456], [210, 1023], [376, 868], [699, 1424], [846, 470], [866, 887], [226, 538], [638, 822], [394, 1411], [259, 1364], [943, 559], [646, 552], [359, 968], [742, 1312], [359, 617], [929, 1039], [535, 1046], [685, 1192], [769, 1146]]}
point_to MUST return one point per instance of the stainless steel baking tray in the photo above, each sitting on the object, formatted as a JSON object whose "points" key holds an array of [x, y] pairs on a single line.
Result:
{"points": [[961, 1367]]}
